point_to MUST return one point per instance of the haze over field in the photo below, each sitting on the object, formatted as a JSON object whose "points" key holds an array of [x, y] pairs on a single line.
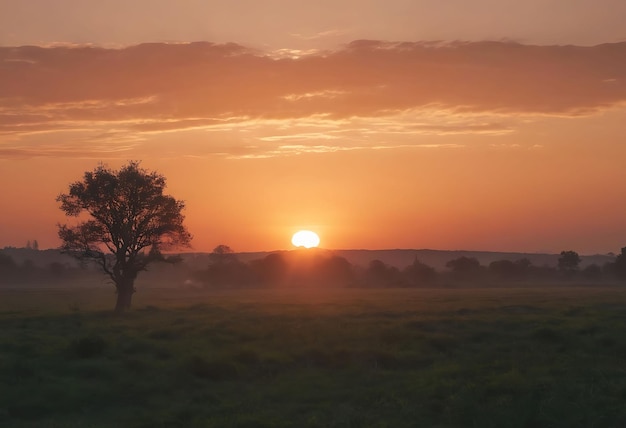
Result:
{"points": [[493, 126]]}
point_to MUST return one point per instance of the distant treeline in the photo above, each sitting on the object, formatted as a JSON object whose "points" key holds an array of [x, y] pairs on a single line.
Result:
{"points": [[320, 268], [323, 268], [26, 271]]}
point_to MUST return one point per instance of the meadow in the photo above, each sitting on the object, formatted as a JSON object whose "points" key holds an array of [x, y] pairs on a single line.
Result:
{"points": [[479, 357]]}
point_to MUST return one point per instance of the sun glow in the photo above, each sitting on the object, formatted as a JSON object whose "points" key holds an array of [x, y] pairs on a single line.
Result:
{"points": [[306, 239]]}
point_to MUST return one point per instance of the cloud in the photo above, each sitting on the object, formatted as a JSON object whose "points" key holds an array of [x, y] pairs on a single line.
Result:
{"points": [[367, 89], [328, 34], [91, 150], [299, 149]]}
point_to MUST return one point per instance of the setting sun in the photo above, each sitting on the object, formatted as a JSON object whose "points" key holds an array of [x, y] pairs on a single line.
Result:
{"points": [[306, 239]]}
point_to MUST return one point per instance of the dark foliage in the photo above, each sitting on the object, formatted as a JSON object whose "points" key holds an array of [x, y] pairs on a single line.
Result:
{"points": [[418, 274], [380, 274], [619, 267], [510, 270], [130, 221], [568, 262], [592, 272], [7, 263], [225, 269], [270, 270], [464, 268]]}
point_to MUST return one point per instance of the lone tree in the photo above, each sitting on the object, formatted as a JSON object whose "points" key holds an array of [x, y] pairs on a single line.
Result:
{"points": [[568, 262], [129, 221]]}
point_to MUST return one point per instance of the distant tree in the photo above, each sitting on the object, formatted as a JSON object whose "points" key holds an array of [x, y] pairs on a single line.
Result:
{"points": [[7, 263], [380, 274], [333, 270], [8, 268], [222, 254], [523, 268], [378, 270], [619, 266], [509, 270], [419, 273], [29, 246], [503, 269], [464, 267], [35, 245], [130, 221], [592, 272], [544, 272], [270, 270], [224, 268], [608, 269], [568, 262]]}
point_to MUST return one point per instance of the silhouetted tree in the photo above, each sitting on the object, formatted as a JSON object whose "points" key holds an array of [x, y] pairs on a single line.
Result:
{"points": [[7, 262], [464, 267], [35, 245], [377, 269], [8, 267], [419, 273], [508, 270], [592, 272], [334, 270], [544, 272], [128, 215], [224, 268], [222, 254], [619, 267], [568, 262], [380, 274], [608, 269], [270, 270], [503, 269]]}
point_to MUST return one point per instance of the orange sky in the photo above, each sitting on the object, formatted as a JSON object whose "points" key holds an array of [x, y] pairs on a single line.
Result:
{"points": [[285, 122]]}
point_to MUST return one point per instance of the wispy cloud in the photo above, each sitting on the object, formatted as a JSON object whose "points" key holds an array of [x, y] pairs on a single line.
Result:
{"points": [[321, 35], [366, 91], [299, 149], [309, 95], [91, 150]]}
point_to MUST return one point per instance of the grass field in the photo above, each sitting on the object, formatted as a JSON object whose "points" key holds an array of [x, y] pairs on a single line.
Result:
{"points": [[553, 357]]}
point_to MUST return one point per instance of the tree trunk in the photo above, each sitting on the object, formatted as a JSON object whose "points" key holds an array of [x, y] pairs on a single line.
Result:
{"points": [[125, 293]]}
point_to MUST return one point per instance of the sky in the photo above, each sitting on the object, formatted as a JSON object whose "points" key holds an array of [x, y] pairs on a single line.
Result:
{"points": [[484, 125]]}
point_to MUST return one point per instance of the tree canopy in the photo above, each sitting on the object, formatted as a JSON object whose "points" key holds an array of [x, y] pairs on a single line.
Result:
{"points": [[127, 221], [568, 262]]}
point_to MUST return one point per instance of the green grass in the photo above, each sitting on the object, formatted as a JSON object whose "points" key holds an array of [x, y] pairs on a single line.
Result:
{"points": [[550, 357]]}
